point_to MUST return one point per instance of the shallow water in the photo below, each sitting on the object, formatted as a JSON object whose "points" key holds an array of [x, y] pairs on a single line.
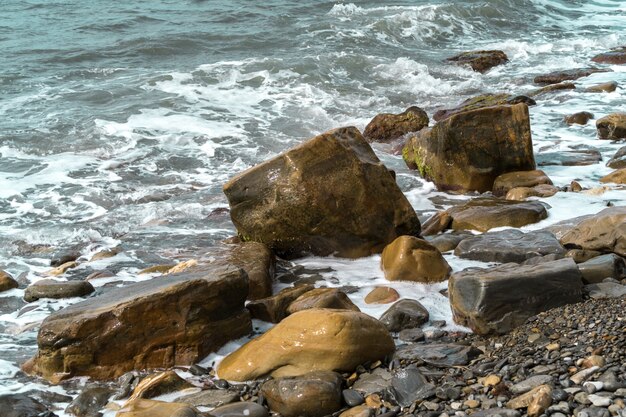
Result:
{"points": [[120, 123]]}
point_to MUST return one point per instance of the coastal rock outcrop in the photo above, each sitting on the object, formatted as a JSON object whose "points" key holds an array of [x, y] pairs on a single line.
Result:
{"points": [[616, 56], [612, 126], [618, 160], [482, 101], [498, 299], [510, 180], [615, 177], [480, 61], [173, 320], [329, 195], [411, 259], [50, 288], [580, 118], [486, 213], [566, 75], [310, 340], [386, 127], [469, 150], [604, 232], [7, 282], [509, 245]]}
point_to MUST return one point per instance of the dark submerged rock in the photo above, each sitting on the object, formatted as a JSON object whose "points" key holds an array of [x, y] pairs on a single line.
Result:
{"points": [[480, 61]]}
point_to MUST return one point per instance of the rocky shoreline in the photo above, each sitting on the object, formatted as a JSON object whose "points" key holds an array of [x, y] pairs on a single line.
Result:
{"points": [[548, 319]]}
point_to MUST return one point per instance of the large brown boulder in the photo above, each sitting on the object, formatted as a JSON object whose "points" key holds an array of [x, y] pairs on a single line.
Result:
{"points": [[616, 56], [566, 75], [603, 232], [259, 263], [497, 299], [172, 320], [480, 61], [50, 288], [469, 150], [7, 282], [612, 126], [510, 180], [482, 101], [486, 213], [386, 127], [411, 259], [310, 340], [322, 298], [329, 195]]}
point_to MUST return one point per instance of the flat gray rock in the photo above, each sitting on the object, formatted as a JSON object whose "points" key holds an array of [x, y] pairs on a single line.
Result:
{"points": [[439, 354], [210, 398], [606, 290], [597, 269]]}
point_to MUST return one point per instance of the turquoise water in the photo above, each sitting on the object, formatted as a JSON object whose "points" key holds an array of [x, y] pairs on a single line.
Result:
{"points": [[120, 121]]}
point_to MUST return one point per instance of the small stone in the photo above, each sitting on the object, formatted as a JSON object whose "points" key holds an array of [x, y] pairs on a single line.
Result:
{"points": [[352, 398], [429, 405], [404, 314], [240, 409], [382, 295], [553, 346], [540, 401], [581, 376], [582, 398], [471, 403], [599, 401], [210, 398], [49, 288], [530, 383], [490, 381], [593, 360], [358, 411], [591, 387], [89, 402], [60, 270], [411, 335]]}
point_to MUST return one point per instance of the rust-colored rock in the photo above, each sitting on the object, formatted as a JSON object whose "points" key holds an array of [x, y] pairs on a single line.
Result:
{"points": [[486, 213], [386, 127], [322, 298], [482, 101], [510, 180], [480, 61], [469, 150], [604, 232], [273, 309], [567, 75], [411, 259], [382, 295], [173, 320], [615, 177], [612, 126], [616, 56], [580, 118], [310, 340], [329, 195]]}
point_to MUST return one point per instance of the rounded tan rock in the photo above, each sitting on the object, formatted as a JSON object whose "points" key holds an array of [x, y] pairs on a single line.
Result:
{"points": [[382, 295], [411, 259], [322, 298], [310, 340], [616, 177]]}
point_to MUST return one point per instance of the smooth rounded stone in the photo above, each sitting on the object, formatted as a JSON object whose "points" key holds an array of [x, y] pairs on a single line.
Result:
{"points": [[159, 384], [611, 382], [536, 400], [509, 245], [460, 154], [551, 88], [602, 88], [612, 126], [486, 213], [141, 407], [618, 160], [448, 241], [593, 411], [530, 383], [49, 288], [616, 177], [559, 395], [604, 232], [506, 182], [409, 385], [497, 412], [605, 290], [574, 157], [315, 394], [438, 354], [616, 56], [210, 398], [146, 325], [239, 409], [404, 314], [409, 258], [382, 295], [322, 298], [20, 405], [358, 411], [591, 387], [280, 202], [579, 377], [582, 398], [386, 127], [597, 269], [480, 61], [593, 360], [310, 340], [89, 402], [352, 398], [375, 382], [580, 118], [566, 75], [522, 193], [7, 282], [273, 309]]}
